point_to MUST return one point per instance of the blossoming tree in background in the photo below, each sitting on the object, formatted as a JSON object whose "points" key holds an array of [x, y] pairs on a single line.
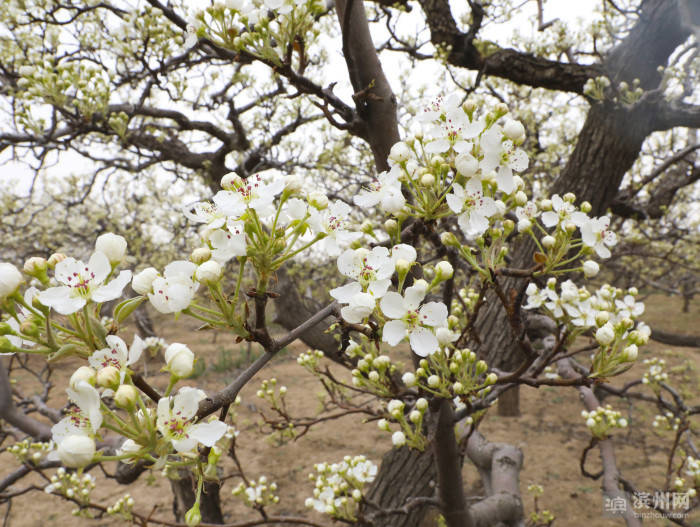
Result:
{"points": [[448, 219]]}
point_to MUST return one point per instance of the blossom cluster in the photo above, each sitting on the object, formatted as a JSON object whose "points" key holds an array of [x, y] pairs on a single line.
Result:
{"points": [[72, 486], [602, 421], [611, 311], [265, 29], [338, 486], [411, 424], [122, 507], [655, 374], [258, 494], [29, 451]]}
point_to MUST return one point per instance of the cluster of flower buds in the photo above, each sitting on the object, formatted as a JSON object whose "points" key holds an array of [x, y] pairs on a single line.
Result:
{"points": [[655, 374], [270, 392], [596, 88], [449, 373], [667, 421], [247, 25], [602, 421], [338, 486], [122, 507], [310, 360], [469, 299], [153, 345], [72, 486], [30, 452], [411, 433], [374, 372], [256, 495]]}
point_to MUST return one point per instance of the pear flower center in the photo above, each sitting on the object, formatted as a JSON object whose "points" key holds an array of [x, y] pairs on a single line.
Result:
{"points": [[81, 282]]}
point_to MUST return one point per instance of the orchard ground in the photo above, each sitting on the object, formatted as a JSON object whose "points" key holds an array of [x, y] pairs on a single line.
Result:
{"points": [[551, 433]]}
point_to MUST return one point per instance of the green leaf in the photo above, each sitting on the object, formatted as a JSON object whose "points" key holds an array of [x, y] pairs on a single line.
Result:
{"points": [[126, 308]]}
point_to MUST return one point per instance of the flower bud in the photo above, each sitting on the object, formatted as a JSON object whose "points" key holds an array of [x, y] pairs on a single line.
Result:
{"points": [[627, 322], [481, 367], [179, 360], [55, 258], [433, 381], [400, 152], [415, 416], [458, 387], [569, 196], [469, 106], [428, 180], [383, 424], [76, 450], [231, 181], [422, 404], [520, 198], [548, 242], [466, 165], [35, 266], [449, 239], [409, 379], [6, 346], [605, 334], [84, 373], [126, 397], [491, 378], [367, 227], [546, 204], [142, 282], [590, 268], [373, 376], [514, 130], [629, 354], [443, 271], [292, 185], [193, 517], [10, 279], [112, 246], [586, 207], [209, 273], [601, 317], [318, 200], [391, 227], [109, 377], [200, 255], [398, 438]]}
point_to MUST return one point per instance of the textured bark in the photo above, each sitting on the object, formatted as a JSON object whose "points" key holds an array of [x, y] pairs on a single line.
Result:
{"points": [[403, 474], [376, 102]]}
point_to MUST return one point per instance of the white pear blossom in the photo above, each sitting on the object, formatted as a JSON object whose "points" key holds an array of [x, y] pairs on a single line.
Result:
{"points": [[205, 212], [360, 305], [451, 127], [82, 282], [250, 193], [502, 155], [595, 233], [563, 212], [475, 206], [412, 320], [384, 191], [372, 269], [117, 354], [228, 243], [332, 221], [192, 27], [628, 307], [176, 417], [175, 290], [525, 215], [82, 423]]}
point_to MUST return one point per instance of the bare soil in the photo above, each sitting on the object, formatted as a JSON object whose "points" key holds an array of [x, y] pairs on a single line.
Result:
{"points": [[550, 432]]}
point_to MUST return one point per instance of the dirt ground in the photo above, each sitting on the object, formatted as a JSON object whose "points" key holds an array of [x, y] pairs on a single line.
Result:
{"points": [[550, 432]]}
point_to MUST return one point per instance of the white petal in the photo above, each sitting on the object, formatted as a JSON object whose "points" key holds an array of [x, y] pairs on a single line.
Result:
{"points": [[392, 305], [113, 289], [423, 342], [208, 433], [394, 332]]}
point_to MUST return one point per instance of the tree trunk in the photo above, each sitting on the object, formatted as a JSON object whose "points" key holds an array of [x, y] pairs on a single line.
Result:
{"points": [[403, 474], [184, 491]]}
